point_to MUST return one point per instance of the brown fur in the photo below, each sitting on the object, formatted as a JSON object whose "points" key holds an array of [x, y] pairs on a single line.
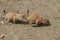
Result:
{"points": [[37, 19]]}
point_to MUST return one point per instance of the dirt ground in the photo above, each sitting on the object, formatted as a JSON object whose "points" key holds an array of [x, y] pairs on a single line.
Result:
{"points": [[47, 8]]}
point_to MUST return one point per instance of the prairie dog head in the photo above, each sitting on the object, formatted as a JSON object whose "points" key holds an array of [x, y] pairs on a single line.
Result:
{"points": [[21, 16], [45, 21]]}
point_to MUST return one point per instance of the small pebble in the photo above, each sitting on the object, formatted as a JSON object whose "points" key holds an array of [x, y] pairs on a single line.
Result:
{"points": [[33, 25], [2, 22], [2, 36], [10, 23], [26, 28], [12, 32], [49, 15]]}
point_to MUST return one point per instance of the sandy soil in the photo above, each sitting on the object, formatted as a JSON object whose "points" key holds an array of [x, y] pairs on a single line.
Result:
{"points": [[47, 8]]}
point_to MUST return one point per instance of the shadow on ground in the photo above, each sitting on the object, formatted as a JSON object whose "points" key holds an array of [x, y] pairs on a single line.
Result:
{"points": [[41, 25], [19, 22]]}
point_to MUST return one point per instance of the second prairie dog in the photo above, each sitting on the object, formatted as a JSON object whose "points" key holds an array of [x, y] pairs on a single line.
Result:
{"points": [[33, 18], [13, 16]]}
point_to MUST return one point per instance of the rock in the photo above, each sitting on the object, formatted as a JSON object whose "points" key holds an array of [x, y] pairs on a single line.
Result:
{"points": [[33, 25], [2, 36], [12, 32], [2, 22], [26, 28]]}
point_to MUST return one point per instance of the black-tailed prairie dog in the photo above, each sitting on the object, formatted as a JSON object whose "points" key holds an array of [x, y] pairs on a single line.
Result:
{"points": [[13, 16], [33, 18]]}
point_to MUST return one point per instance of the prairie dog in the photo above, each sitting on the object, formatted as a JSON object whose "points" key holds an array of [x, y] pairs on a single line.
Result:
{"points": [[13, 16], [33, 18]]}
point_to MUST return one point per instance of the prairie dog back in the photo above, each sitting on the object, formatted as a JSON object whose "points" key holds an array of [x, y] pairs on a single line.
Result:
{"points": [[10, 15], [33, 17]]}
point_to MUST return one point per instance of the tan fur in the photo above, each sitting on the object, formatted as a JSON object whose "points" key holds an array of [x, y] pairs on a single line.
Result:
{"points": [[33, 18], [13, 16]]}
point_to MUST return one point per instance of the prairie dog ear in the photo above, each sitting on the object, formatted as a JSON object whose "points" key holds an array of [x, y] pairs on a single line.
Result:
{"points": [[4, 11], [18, 11], [27, 12]]}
